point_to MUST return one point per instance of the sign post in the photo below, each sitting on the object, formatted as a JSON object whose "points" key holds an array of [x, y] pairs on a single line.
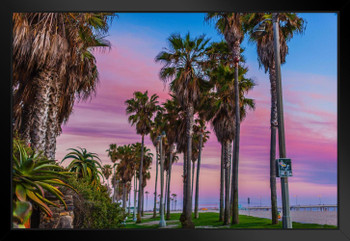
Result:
{"points": [[248, 206], [286, 220]]}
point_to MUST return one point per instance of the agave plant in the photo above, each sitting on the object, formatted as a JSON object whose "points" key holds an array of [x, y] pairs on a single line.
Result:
{"points": [[21, 214], [33, 174], [85, 164]]}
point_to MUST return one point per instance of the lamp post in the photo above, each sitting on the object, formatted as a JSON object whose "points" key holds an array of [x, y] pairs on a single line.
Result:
{"points": [[162, 222], [146, 200], [259, 31], [134, 213]]}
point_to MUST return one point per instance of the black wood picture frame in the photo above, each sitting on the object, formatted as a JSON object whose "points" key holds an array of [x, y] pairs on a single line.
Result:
{"points": [[340, 7]]}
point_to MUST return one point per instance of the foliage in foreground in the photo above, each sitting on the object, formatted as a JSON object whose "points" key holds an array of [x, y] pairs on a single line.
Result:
{"points": [[33, 175], [93, 208]]}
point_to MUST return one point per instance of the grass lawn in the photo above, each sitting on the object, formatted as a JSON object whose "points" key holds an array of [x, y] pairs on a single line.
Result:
{"points": [[210, 220]]}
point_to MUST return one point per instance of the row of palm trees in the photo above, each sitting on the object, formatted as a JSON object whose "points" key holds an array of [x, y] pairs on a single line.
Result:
{"points": [[208, 82], [53, 66], [127, 162]]}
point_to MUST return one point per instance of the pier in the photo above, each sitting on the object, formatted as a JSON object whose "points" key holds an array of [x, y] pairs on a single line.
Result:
{"points": [[321, 207]]}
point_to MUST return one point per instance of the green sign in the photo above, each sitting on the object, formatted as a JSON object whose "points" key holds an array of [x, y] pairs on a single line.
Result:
{"points": [[284, 167]]}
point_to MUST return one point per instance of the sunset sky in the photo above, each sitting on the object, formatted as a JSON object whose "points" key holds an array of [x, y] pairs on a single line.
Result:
{"points": [[310, 100]]}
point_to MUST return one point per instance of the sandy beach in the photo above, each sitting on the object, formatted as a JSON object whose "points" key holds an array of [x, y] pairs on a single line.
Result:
{"points": [[325, 217]]}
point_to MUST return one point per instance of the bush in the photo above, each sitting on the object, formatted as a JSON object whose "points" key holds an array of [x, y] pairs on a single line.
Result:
{"points": [[93, 208]]}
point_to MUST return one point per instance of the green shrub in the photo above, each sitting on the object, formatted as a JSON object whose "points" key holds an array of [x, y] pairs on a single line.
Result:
{"points": [[93, 208]]}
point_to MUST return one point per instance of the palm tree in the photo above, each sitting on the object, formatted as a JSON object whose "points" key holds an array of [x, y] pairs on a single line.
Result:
{"points": [[157, 127], [142, 109], [180, 138], [147, 192], [107, 172], [182, 66], [230, 25], [112, 152], [170, 123], [292, 23], [200, 128], [125, 168], [172, 158], [174, 195], [85, 164], [52, 67], [222, 123], [147, 161], [219, 55]]}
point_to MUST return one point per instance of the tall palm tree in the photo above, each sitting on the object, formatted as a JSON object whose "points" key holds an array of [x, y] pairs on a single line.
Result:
{"points": [[182, 66], [194, 158], [219, 55], [142, 107], [200, 129], [172, 159], [112, 152], [107, 172], [52, 67], [157, 127], [292, 24], [180, 138], [171, 116], [147, 162], [125, 168], [230, 25], [223, 78]]}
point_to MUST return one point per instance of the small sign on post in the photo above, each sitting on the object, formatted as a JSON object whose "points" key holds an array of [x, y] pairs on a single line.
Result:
{"points": [[284, 167]]}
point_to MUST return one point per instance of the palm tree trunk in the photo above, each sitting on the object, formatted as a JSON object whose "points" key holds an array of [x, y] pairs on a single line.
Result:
{"points": [[274, 125], [129, 199], [169, 177], [124, 196], [227, 158], [143, 201], [235, 160], [40, 109], [192, 184], [184, 182], [139, 208], [187, 222], [135, 192], [155, 185], [52, 120], [161, 202], [166, 191], [222, 180], [196, 215], [26, 123]]}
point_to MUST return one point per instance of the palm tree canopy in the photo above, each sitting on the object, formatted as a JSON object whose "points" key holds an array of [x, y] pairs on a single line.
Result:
{"points": [[61, 42], [223, 111], [142, 107], [290, 24], [182, 65], [230, 25]]}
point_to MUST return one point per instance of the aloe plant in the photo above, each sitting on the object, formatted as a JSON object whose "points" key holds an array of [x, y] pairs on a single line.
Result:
{"points": [[33, 174], [85, 164]]}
